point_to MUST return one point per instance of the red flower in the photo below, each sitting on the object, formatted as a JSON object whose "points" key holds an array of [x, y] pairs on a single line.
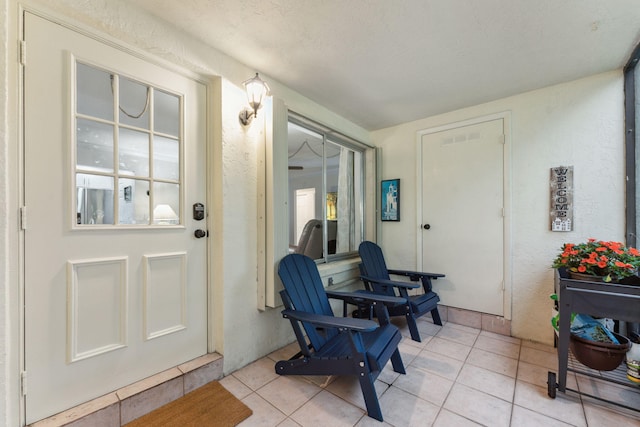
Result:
{"points": [[609, 259]]}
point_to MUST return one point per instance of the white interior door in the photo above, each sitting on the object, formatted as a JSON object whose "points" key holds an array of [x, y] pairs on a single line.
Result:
{"points": [[115, 279], [462, 214], [305, 209]]}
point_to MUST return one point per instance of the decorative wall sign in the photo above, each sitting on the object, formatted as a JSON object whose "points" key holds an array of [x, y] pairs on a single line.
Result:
{"points": [[561, 183], [390, 191]]}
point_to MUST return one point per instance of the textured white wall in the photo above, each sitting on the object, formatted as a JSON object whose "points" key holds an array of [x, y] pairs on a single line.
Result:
{"points": [[580, 123]]}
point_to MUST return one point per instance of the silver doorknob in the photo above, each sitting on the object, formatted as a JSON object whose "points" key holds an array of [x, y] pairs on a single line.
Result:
{"points": [[199, 233]]}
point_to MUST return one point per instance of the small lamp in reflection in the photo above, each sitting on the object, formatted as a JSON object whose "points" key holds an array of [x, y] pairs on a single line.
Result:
{"points": [[164, 215]]}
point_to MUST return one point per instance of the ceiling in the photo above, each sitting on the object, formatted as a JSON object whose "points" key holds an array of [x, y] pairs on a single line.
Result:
{"points": [[379, 63]]}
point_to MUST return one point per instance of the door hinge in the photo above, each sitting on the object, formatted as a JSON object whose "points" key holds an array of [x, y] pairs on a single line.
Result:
{"points": [[23, 218], [23, 383], [22, 52]]}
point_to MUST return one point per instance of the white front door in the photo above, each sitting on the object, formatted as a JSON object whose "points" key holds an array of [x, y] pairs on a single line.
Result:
{"points": [[463, 214], [114, 160]]}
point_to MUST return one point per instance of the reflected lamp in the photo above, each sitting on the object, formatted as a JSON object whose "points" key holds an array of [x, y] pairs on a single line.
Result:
{"points": [[164, 214]]}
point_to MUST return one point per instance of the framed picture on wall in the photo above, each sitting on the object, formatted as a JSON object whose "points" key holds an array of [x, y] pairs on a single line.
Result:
{"points": [[390, 199]]}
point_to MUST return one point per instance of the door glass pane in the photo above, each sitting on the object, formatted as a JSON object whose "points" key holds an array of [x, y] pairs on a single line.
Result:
{"points": [[134, 103], [133, 152], [166, 153], [166, 116], [133, 201], [143, 155], [166, 209], [94, 92], [94, 199], [94, 145]]}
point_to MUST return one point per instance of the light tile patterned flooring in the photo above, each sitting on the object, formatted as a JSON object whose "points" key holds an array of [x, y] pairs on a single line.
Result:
{"points": [[457, 376]]}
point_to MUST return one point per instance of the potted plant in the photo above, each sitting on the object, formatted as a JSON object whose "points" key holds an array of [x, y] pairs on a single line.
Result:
{"points": [[601, 260], [591, 342]]}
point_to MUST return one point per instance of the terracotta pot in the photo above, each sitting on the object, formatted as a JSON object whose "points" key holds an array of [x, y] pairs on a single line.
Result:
{"points": [[598, 355]]}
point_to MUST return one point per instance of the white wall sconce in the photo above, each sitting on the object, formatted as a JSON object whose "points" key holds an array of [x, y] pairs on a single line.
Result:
{"points": [[256, 89]]}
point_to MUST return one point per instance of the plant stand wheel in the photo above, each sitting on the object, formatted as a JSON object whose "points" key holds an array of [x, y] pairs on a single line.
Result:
{"points": [[551, 384]]}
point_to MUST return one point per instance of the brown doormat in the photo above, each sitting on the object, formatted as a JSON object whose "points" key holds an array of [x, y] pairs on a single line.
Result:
{"points": [[209, 405]]}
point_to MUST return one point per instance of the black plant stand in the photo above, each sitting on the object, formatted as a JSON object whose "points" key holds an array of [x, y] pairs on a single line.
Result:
{"points": [[617, 301]]}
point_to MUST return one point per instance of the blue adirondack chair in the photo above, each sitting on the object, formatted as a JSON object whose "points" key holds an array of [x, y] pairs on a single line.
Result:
{"points": [[337, 345], [376, 277]]}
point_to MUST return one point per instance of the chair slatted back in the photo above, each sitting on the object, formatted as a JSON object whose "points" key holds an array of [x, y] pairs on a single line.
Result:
{"points": [[373, 265], [302, 282]]}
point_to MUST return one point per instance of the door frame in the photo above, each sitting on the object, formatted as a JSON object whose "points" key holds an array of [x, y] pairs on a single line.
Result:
{"points": [[505, 116], [17, 353]]}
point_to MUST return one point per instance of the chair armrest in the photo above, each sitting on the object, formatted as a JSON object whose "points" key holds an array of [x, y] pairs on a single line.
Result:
{"points": [[393, 283], [415, 275], [361, 297], [358, 325]]}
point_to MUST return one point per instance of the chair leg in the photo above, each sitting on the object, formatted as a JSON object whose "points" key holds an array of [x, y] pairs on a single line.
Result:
{"points": [[435, 315], [370, 396], [396, 362], [413, 327]]}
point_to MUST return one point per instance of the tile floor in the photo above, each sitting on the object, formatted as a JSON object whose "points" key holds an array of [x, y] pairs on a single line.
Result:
{"points": [[457, 376]]}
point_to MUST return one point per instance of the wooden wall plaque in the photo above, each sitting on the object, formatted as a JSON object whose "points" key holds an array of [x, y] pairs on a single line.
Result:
{"points": [[561, 183]]}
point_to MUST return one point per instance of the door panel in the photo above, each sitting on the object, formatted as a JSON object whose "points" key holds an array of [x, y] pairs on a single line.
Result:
{"points": [[109, 299], [462, 202]]}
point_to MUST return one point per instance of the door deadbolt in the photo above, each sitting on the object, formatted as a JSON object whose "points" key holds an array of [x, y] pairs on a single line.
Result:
{"points": [[198, 211]]}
